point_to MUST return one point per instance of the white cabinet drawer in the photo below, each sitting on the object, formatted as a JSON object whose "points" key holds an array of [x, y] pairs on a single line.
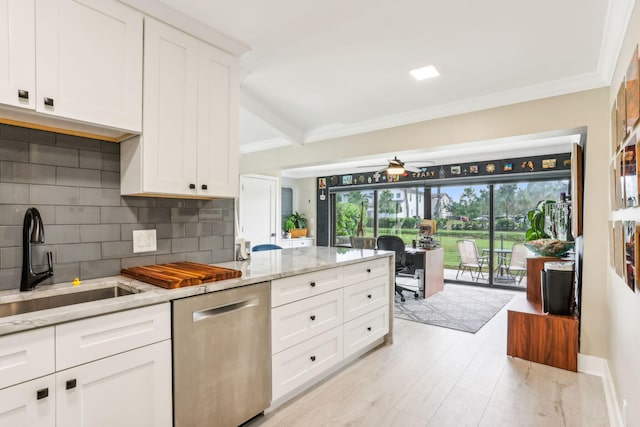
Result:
{"points": [[296, 365], [97, 337], [362, 271], [365, 296], [296, 322], [295, 288], [30, 404], [364, 330], [26, 355]]}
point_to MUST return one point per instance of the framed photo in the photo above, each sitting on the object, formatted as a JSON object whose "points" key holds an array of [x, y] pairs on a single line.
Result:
{"points": [[620, 178], [548, 163], [455, 170], [619, 249], [630, 253], [473, 169], [630, 173], [614, 134], [612, 246], [347, 180], [632, 92], [508, 167], [621, 116], [322, 183]]}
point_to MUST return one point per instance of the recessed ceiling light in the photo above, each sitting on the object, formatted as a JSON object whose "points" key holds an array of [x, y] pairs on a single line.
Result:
{"points": [[425, 72]]}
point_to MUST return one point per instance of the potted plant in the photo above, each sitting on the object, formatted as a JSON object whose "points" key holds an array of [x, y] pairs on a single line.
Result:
{"points": [[537, 238], [296, 224], [536, 218]]}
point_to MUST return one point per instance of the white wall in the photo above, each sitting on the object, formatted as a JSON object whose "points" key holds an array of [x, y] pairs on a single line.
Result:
{"points": [[623, 305]]}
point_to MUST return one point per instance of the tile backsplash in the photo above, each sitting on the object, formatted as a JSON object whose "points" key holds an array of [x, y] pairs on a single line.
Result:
{"points": [[75, 184]]}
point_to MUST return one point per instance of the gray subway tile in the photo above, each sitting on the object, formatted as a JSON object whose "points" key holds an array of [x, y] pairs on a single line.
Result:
{"points": [[16, 133], [138, 261], [166, 259], [222, 203], [77, 215], [63, 273], [27, 173], [101, 268], [189, 244], [60, 234], [14, 214], [228, 215], [222, 229], [118, 215], [169, 203], [163, 246], [56, 156], [78, 177], [53, 195], [99, 196], [184, 215], [197, 229], [90, 160], [154, 215], [229, 242], [78, 252], [14, 193], [11, 235], [77, 142], [210, 215], [11, 257], [198, 204], [10, 278], [39, 255], [203, 257], [211, 242], [110, 179], [110, 147], [222, 255], [117, 249], [111, 162], [139, 202], [170, 230], [99, 233], [14, 151]]}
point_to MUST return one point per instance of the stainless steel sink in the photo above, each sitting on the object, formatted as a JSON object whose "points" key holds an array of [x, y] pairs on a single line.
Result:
{"points": [[43, 303]]}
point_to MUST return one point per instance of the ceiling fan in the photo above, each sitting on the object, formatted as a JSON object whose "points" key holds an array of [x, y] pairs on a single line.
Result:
{"points": [[396, 167]]}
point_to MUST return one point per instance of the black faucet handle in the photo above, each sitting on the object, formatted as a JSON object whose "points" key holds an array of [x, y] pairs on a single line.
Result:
{"points": [[50, 261]]}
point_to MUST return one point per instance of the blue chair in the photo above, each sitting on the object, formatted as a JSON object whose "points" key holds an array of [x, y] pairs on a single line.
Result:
{"points": [[265, 247]]}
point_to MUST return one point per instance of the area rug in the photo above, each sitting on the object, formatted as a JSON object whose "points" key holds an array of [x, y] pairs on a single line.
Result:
{"points": [[456, 307]]}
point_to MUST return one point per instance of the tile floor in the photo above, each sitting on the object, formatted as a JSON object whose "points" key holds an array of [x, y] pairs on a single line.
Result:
{"points": [[433, 376]]}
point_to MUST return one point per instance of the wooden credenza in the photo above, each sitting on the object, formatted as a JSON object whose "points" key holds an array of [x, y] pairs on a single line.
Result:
{"points": [[537, 336]]}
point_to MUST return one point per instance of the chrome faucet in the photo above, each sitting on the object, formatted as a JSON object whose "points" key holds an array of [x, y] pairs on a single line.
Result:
{"points": [[33, 232]]}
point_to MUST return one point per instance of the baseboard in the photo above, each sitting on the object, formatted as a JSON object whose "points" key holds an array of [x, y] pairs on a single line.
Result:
{"points": [[600, 367]]}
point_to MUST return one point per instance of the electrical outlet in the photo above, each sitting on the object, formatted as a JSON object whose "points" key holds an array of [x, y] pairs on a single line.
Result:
{"points": [[144, 241]]}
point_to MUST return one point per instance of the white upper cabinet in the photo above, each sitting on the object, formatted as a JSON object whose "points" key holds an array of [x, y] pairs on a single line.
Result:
{"points": [[17, 53], [76, 60], [89, 62], [188, 147]]}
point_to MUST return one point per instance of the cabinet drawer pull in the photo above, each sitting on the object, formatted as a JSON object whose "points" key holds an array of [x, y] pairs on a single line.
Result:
{"points": [[48, 102], [368, 270], [23, 94], [192, 186], [312, 317], [369, 328], [369, 296], [313, 358], [42, 393], [204, 186], [71, 384], [312, 284]]}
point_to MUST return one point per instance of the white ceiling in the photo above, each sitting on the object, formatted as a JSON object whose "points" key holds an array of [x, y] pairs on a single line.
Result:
{"points": [[323, 69]]}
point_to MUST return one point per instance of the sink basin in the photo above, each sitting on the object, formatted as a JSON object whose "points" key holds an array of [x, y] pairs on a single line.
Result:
{"points": [[43, 303]]}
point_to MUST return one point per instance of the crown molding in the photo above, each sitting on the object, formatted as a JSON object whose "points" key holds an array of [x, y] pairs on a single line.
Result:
{"points": [[615, 29], [265, 144]]}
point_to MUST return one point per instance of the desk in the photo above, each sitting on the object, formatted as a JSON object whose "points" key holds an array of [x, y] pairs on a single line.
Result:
{"points": [[430, 269]]}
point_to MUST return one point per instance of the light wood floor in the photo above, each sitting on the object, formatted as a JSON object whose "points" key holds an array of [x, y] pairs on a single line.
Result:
{"points": [[433, 376]]}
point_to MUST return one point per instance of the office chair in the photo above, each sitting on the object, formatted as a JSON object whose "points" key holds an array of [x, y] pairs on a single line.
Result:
{"points": [[395, 243], [265, 247]]}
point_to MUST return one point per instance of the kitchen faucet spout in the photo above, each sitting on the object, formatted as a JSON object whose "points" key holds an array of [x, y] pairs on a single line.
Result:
{"points": [[33, 232]]}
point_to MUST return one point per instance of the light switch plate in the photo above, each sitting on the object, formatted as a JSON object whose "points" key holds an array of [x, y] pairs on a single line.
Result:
{"points": [[144, 241]]}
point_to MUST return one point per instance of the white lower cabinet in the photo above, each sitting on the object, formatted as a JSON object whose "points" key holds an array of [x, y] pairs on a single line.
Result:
{"points": [[32, 403], [301, 363], [364, 330], [128, 389], [111, 370]]}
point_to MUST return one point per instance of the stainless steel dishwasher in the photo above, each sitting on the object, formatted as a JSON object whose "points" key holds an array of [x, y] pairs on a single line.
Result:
{"points": [[221, 356]]}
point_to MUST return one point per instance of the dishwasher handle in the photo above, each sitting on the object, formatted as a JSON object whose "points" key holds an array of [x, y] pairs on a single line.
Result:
{"points": [[224, 309]]}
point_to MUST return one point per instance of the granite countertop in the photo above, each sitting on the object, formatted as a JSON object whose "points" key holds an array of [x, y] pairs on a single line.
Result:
{"points": [[260, 267]]}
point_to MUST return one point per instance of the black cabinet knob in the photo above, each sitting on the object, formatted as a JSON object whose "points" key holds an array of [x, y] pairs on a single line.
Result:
{"points": [[71, 384], [312, 317], [368, 270], [192, 186], [312, 284], [369, 328], [23, 94], [204, 186], [313, 358], [369, 296], [48, 102], [42, 393]]}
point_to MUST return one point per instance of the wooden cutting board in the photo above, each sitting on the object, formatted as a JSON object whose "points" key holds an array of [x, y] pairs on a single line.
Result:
{"points": [[180, 274]]}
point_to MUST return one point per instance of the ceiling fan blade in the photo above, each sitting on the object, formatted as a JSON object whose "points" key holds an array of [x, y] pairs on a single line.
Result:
{"points": [[411, 169]]}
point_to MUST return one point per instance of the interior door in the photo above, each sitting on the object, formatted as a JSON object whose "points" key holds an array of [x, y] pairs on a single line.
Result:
{"points": [[258, 209]]}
